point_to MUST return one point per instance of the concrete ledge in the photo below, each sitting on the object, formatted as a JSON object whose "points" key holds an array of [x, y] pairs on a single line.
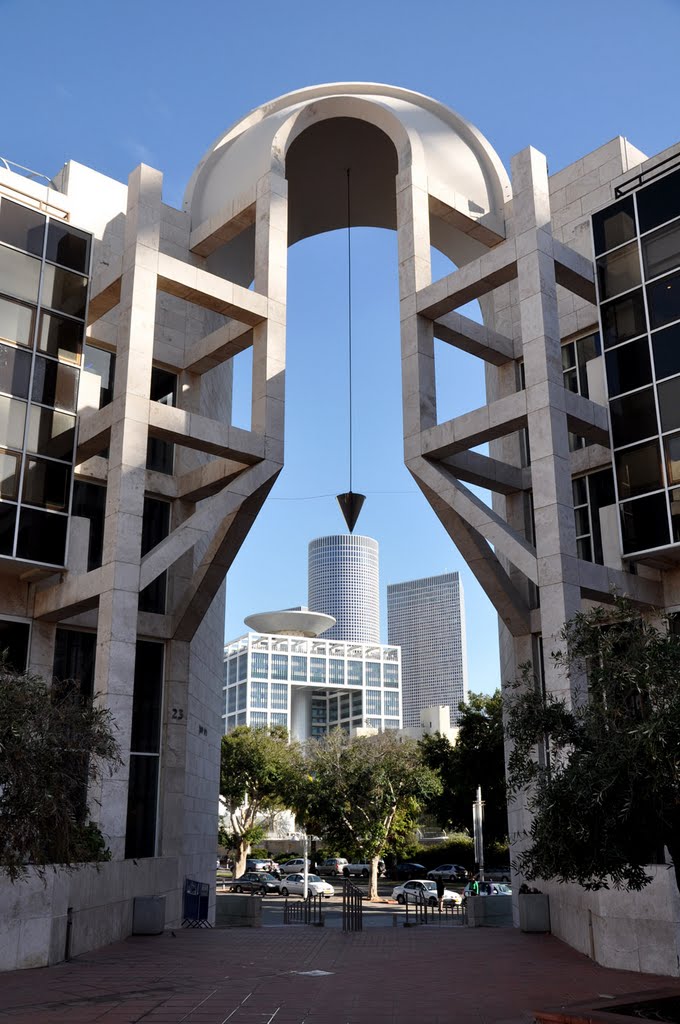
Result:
{"points": [[236, 910], [489, 911]]}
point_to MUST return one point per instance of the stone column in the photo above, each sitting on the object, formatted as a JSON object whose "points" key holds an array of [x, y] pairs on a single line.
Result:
{"points": [[547, 421], [117, 624]]}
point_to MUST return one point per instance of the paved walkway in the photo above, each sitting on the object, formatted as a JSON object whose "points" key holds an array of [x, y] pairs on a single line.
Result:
{"points": [[260, 976]]}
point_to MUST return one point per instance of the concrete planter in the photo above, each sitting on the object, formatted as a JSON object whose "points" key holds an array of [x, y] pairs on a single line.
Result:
{"points": [[235, 910], [489, 911], [534, 912]]}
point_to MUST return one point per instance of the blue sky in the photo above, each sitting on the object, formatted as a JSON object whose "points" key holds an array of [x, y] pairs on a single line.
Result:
{"points": [[111, 85]]}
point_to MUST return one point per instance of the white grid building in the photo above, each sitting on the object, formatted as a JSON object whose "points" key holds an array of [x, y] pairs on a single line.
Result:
{"points": [[343, 582], [426, 618]]}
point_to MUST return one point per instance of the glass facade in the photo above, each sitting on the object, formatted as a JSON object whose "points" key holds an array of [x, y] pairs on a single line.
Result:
{"points": [[346, 681], [637, 251], [44, 279]]}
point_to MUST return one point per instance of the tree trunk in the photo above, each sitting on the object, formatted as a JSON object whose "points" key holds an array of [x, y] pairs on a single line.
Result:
{"points": [[373, 878], [242, 851]]}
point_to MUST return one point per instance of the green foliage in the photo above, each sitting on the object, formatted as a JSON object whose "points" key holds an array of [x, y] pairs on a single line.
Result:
{"points": [[607, 796], [52, 743], [477, 759]]}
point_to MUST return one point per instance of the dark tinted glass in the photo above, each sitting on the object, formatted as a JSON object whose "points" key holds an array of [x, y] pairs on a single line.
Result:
{"points": [[9, 475], [19, 274], [628, 366], [623, 319], [21, 227], [659, 201], [15, 371], [89, 502], [601, 487], [42, 536], [68, 246], [672, 451], [644, 523], [55, 384], [163, 386], [661, 250], [50, 433], [74, 659], [103, 365], [14, 640], [663, 300], [12, 421], [619, 271], [633, 417], [64, 291], [160, 455], [8, 518], [140, 829], [613, 226], [146, 705], [155, 523], [669, 404], [46, 484], [666, 347], [638, 470], [16, 322], [61, 337], [675, 525]]}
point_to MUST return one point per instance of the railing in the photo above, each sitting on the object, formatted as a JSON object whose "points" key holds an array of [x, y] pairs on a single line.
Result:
{"points": [[422, 912], [644, 177], [303, 911], [352, 907]]}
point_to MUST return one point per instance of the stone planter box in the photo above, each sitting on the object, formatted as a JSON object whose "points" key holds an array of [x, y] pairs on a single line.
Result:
{"points": [[236, 910], [534, 912], [489, 911]]}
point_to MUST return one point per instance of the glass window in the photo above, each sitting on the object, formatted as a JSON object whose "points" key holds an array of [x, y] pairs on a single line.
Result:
{"points": [[12, 421], [50, 433], [638, 470], [14, 638], [140, 827], [8, 519], [391, 723], [260, 665], [344, 705], [242, 666], [633, 417], [628, 366], [669, 404], [613, 226], [231, 699], [357, 702], [317, 672], [666, 347], [623, 319], [74, 659], [619, 271], [232, 666], [15, 371], [278, 718], [298, 666], [391, 703], [672, 450], [372, 673], [64, 291], [373, 702], [279, 666], [42, 536], [644, 523], [336, 671], [147, 698], [241, 718], [390, 675], [16, 322], [242, 695], [47, 484], [259, 694], [258, 719], [333, 709], [19, 274], [661, 250], [354, 672], [60, 337], [55, 384], [155, 527], [663, 299], [9, 475], [659, 202], [22, 227], [280, 696], [373, 723], [163, 386], [89, 502], [68, 246]]}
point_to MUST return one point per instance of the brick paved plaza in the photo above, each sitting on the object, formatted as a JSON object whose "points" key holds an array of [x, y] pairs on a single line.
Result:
{"points": [[380, 976]]}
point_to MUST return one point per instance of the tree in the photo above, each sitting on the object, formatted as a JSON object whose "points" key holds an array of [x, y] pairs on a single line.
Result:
{"points": [[53, 742], [476, 759], [359, 789], [607, 796], [259, 773]]}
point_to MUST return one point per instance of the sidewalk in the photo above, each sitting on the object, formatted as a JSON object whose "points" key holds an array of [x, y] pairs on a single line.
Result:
{"points": [[256, 976]]}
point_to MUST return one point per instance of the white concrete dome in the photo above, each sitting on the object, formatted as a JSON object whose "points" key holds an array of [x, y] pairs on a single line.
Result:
{"points": [[290, 623]]}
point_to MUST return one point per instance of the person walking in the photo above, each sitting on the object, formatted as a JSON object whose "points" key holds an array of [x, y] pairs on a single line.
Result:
{"points": [[440, 891]]}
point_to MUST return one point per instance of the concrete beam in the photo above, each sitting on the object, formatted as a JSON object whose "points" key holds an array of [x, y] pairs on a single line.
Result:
{"points": [[463, 214], [206, 480], [237, 215], [483, 471], [475, 279], [94, 432], [105, 290], [204, 435], [586, 418], [210, 291], [573, 271], [475, 338], [222, 344], [499, 418]]}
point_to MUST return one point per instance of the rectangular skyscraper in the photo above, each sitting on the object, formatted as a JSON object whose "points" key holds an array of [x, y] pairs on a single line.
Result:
{"points": [[426, 618]]}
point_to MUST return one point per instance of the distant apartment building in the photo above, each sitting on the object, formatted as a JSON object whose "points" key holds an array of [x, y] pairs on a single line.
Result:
{"points": [[426, 618], [343, 582]]}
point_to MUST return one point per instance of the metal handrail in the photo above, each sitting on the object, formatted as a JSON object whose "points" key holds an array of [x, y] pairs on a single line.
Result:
{"points": [[28, 172], [352, 907], [651, 174]]}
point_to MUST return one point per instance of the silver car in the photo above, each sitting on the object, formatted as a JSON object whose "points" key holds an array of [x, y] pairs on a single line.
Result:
{"points": [[294, 885]]}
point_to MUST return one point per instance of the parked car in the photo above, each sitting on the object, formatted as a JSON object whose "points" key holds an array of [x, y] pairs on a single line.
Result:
{"points": [[260, 882], [496, 874], [409, 869], [332, 866], [449, 873], [362, 869], [487, 889], [260, 864], [295, 885], [291, 866], [423, 888]]}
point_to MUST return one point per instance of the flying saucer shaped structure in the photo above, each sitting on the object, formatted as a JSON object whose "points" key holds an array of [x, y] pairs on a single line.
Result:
{"points": [[290, 623]]}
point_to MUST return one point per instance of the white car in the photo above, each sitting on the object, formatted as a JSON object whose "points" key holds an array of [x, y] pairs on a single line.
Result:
{"points": [[294, 885], [293, 865], [423, 888]]}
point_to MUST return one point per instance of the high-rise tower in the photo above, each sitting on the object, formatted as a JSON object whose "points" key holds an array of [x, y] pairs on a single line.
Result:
{"points": [[343, 582], [426, 618]]}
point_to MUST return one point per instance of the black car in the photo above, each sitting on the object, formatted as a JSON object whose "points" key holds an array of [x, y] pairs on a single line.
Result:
{"points": [[260, 882], [409, 869]]}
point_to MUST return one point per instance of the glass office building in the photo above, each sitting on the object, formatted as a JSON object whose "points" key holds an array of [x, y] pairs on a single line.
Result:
{"points": [[343, 582]]}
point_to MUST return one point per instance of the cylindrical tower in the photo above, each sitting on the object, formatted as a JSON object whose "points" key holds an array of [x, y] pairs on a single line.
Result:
{"points": [[343, 582]]}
